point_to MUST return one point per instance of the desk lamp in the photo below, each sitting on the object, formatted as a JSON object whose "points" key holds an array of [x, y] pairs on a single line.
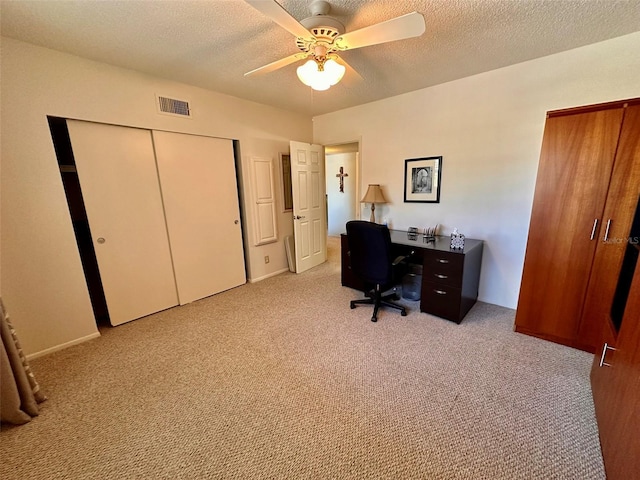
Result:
{"points": [[374, 195]]}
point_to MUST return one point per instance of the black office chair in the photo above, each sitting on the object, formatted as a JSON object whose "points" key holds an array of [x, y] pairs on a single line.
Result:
{"points": [[371, 260]]}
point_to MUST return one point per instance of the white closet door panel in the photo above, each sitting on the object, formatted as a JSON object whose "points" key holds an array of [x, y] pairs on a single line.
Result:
{"points": [[265, 227], [119, 181], [265, 224], [199, 189]]}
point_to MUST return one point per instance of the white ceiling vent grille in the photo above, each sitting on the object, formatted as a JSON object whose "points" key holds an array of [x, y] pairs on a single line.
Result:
{"points": [[171, 106]]}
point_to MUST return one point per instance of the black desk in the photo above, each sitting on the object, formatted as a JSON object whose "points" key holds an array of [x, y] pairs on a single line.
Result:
{"points": [[450, 278]]}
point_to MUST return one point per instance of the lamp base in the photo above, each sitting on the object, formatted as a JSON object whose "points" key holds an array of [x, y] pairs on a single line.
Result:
{"points": [[372, 219]]}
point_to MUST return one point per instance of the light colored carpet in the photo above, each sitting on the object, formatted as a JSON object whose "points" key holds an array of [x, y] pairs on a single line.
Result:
{"points": [[280, 379]]}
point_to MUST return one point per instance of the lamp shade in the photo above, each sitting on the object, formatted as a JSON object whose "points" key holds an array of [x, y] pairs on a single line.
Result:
{"points": [[320, 77], [374, 195]]}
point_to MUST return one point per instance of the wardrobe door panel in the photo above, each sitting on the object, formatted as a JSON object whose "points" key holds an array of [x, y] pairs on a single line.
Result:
{"points": [[573, 179], [117, 173], [614, 236], [615, 381], [200, 194]]}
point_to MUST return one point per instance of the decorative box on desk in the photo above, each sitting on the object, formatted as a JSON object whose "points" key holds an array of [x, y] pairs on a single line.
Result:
{"points": [[450, 278]]}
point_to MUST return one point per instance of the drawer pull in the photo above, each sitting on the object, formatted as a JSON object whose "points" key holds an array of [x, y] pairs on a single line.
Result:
{"points": [[438, 275], [440, 292], [441, 260]]}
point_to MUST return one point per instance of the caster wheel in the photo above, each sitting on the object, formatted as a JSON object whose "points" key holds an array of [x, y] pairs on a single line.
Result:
{"points": [[374, 319], [403, 313], [352, 306]]}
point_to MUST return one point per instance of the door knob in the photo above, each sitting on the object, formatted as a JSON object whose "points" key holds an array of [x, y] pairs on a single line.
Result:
{"points": [[236, 222], [298, 217]]}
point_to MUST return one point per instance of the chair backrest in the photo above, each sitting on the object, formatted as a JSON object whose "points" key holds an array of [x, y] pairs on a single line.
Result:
{"points": [[370, 251]]}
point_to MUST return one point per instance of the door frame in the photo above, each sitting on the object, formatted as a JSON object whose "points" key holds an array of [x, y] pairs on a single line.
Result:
{"points": [[358, 163]]}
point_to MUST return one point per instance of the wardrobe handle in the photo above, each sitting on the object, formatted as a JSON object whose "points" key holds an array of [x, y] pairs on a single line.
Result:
{"points": [[604, 353], [606, 232], [593, 230]]}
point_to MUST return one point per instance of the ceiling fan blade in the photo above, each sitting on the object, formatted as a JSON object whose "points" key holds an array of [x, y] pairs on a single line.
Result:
{"points": [[351, 77], [399, 28], [283, 62], [275, 12]]}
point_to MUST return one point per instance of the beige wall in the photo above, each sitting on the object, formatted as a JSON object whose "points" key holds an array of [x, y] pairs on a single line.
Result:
{"points": [[42, 281], [488, 128]]}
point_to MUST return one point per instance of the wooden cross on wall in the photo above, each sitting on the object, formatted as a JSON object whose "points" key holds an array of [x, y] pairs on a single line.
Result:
{"points": [[341, 176]]}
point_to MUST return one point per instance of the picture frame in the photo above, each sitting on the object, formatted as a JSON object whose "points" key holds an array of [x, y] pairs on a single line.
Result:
{"points": [[286, 192], [422, 178]]}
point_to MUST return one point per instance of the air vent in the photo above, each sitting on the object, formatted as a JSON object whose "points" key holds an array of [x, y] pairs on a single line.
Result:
{"points": [[171, 106]]}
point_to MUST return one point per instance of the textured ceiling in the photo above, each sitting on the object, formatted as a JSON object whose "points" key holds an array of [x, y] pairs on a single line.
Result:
{"points": [[212, 43]]}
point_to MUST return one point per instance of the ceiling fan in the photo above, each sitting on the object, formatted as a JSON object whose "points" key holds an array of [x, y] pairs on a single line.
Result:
{"points": [[320, 37]]}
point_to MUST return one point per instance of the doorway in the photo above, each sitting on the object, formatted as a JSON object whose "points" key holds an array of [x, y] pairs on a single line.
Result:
{"points": [[342, 167]]}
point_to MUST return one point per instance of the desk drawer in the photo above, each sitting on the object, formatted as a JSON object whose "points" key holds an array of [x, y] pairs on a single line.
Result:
{"points": [[441, 300], [443, 268]]}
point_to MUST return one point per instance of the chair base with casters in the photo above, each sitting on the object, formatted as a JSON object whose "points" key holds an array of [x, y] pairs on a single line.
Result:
{"points": [[377, 299]]}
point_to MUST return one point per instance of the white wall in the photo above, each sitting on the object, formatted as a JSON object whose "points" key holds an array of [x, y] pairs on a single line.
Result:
{"points": [[488, 128], [43, 286], [340, 205]]}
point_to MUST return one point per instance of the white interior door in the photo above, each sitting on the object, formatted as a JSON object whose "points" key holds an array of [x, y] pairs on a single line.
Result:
{"points": [[117, 172], [200, 193], [309, 205]]}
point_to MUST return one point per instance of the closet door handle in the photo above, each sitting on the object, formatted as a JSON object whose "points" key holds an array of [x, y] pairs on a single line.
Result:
{"points": [[604, 353], [593, 230], [606, 232]]}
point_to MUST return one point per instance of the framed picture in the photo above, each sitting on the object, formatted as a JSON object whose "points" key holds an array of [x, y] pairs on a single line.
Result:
{"points": [[287, 194], [422, 179]]}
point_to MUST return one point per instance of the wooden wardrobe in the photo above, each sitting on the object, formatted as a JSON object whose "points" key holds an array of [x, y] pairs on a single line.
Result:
{"points": [[587, 192]]}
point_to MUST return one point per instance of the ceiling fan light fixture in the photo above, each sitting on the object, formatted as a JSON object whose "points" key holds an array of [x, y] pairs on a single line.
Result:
{"points": [[320, 76], [334, 70]]}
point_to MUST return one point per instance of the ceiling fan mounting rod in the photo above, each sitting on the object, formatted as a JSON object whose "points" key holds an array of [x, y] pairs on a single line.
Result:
{"points": [[319, 7]]}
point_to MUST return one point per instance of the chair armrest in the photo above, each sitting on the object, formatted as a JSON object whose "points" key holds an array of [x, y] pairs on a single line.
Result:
{"points": [[398, 260]]}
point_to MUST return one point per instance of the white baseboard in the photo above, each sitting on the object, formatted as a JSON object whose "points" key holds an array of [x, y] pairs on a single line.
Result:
{"points": [[273, 274], [62, 346]]}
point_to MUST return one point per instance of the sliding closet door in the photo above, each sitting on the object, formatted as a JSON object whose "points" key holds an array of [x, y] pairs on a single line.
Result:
{"points": [[200, 194], [117, 173]]}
